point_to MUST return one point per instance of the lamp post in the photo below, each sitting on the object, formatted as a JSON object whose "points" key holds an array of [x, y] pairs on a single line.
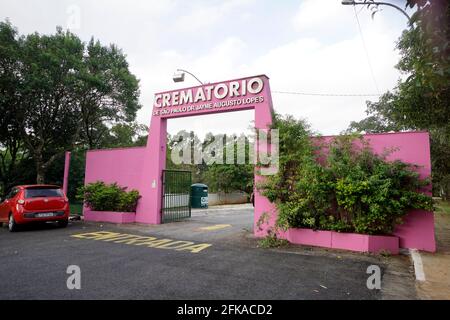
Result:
{"points": [[179, 76], [369, 2]]}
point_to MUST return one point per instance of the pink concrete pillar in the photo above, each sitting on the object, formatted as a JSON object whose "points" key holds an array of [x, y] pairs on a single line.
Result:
{"points": [[154, 162], [66, 172], [263, 122], [154, 159]]}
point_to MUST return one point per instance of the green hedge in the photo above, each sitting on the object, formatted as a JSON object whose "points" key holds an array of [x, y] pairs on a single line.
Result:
{"points": [[340, 185], [108, 197]]}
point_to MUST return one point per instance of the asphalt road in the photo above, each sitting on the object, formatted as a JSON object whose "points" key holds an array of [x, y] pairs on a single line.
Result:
{"points": [[34, 261]]}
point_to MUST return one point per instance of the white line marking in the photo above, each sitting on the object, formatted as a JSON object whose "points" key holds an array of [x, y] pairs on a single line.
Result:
{"points": [[215, 227], [418, 264]]}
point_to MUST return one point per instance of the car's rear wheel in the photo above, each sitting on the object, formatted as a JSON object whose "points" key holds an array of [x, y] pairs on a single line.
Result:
{"points": [[63, 223], [12, 225]]}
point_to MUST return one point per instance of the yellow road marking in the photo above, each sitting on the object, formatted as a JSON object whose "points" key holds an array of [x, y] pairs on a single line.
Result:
{"points": [[215, 227], [149, 242]]}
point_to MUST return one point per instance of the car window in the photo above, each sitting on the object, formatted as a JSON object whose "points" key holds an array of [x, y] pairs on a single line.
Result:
{"points": [[43, 192], [11, 193], [7, 195], [14, 192]]}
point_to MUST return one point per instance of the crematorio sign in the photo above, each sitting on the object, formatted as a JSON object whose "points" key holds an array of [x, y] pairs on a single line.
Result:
{"points": [[222, 95]]}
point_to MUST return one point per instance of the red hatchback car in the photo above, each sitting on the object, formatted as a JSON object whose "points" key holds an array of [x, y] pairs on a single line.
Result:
{"points": [[34, 203]]}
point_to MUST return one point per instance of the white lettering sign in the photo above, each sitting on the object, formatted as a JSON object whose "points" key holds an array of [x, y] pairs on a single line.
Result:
{"points": [[220, 91]]}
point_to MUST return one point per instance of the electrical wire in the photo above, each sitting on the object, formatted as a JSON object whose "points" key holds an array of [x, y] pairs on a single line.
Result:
{"points": [[324, 94], [365, 49]]}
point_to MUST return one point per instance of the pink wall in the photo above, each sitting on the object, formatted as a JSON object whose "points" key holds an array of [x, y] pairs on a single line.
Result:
{"points": [[108, 216], [417, 231], [66, 172], [121, 165]]}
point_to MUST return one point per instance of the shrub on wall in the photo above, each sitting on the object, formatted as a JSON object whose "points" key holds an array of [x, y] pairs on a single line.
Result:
{"points": [[340, 185], [108, 197]]}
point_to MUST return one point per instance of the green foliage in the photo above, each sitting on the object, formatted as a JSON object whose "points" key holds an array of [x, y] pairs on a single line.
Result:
{"points": [[271, 241], [220, 177], [108, 197], [76, 208], [124, 135], [421, 100], [57, 93], [230, 177], [341, 184], [442, 206], [294, 150]]}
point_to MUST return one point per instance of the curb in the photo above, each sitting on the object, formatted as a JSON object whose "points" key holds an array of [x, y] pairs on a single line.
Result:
{"points": [[418, 264]]}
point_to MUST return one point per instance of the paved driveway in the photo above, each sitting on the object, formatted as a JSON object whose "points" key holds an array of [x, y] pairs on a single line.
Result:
{"points": [[211, 256]]}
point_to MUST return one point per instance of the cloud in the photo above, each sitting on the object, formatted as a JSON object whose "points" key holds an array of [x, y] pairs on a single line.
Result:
{"points": [[314, 46], [204, 15], [319, 14], [222, 61], [307, 65]]}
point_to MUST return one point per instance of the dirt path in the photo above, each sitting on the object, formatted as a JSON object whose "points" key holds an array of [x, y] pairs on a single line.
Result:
{"points": [[437, 266]]}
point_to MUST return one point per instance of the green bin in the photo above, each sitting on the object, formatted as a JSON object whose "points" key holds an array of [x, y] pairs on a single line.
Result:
{"points": [[199, 195]]}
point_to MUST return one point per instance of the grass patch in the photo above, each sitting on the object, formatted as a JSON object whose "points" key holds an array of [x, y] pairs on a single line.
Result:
{"points": [[272, 241], [76, 208], [442, 206]]}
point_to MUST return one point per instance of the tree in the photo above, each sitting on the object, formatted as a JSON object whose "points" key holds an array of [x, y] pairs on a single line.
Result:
{"points": [[219, 177], [109, 92], [184, 140], [12, 154], [421, 101], [48, 94], [60, 93], [124, 135], [234, 176]]}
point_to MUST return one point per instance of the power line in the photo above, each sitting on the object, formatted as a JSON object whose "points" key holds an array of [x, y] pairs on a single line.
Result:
{"points": [[365, 50], [324, 94]]}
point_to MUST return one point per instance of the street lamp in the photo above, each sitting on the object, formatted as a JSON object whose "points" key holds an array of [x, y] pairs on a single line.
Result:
{"points": [[178, 76], [369, 2]]}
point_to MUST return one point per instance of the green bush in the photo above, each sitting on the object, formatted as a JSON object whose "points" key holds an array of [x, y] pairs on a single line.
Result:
{"points": [[108, 197], [340, 185], [271, 241]]}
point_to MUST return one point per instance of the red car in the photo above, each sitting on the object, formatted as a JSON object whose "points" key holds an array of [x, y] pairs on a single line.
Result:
{"points": [[34, 203]]}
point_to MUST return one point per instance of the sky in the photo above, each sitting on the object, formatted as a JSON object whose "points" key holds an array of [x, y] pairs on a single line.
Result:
{"points": [[309, 46]]}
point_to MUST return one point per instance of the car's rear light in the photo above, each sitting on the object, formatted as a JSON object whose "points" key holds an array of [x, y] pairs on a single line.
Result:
{"points": [[66, 200], [21, 201]]}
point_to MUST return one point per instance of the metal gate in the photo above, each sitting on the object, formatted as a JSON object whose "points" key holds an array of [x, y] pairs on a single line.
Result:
{"points": [[176, 195]]}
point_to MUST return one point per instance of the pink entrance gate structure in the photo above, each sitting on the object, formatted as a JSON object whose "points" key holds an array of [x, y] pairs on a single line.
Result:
{"points": [[141, 168], [235, 95]]}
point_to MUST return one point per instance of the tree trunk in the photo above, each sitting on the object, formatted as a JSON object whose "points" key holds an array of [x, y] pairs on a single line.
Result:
{"points": [[41, 166], [40, 173]]}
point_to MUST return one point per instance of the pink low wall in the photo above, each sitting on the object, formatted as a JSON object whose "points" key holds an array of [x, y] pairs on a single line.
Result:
{"points": [[109, 216], [344, 241], [416, 232]]}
